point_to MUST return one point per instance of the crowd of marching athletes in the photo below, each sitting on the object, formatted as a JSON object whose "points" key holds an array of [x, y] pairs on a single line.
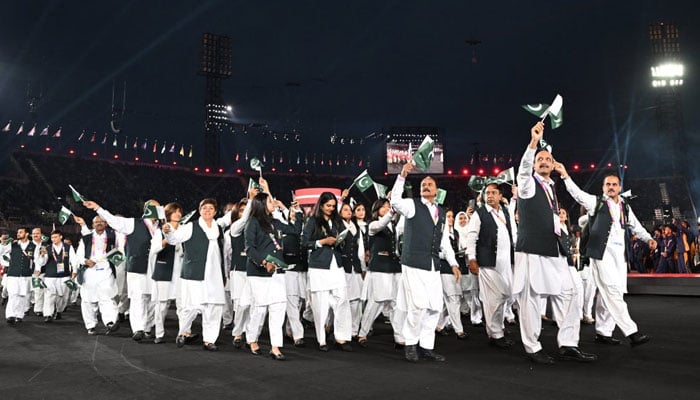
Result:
{"points": [[338, 267]]}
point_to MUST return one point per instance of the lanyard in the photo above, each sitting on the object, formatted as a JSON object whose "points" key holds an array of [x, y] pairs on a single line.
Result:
{"points": [[495, 214], [272, 236], [611, 204], [92, 250], [553, 204], [55, 255]]}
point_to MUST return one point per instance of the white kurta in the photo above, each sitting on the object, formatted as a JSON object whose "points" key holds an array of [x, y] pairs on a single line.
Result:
{"points": [[99, 284], [210, 290]]}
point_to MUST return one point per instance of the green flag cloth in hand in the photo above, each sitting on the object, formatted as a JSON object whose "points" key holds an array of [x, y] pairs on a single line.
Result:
{"points": [[381, 190], [507, 175], [555, 111], [341, 237], [71, 285], [440, 196], [63, 215], [254, 185], [537, 109], [76, 196], [38, 283], [424, 155], [115, 257], [279, 263], [477, 183], [152, 211], [187, 217], [363, 181]]}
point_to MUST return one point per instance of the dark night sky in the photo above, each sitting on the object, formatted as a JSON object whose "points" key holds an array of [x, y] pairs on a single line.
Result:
{"points": [[361, 66]]}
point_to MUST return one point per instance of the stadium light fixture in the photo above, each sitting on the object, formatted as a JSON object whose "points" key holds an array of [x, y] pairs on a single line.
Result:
{"points": [[667, 74]]}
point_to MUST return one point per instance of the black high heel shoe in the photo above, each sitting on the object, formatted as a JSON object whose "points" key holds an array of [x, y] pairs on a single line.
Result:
{"points": [[255, 352], [277, 357]]}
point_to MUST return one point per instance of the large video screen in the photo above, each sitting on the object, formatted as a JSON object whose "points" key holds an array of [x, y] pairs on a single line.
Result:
{"points": [[402, 142]]}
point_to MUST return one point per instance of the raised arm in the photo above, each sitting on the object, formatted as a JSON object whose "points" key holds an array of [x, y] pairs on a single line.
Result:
{"points": [[526, 183]]}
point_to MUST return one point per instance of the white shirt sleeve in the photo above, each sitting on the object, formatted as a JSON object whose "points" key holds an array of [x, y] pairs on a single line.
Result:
{"points": [[473, 229], [587, 200], [379, 225], [239, 224], [526, 182], [403, 206], [183, 233], [119, 224], [84, 230], [225, 221], [637, 227], [79, 256]]}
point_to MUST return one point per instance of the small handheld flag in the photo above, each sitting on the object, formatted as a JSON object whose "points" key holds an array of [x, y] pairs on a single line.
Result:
{"points": [[424, 155], [76, 196], [63, 215], [363, 181]]}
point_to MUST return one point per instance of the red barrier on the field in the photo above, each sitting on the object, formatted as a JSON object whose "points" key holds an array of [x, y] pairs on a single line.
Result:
{"points": [[309, 196], [663, 275]]}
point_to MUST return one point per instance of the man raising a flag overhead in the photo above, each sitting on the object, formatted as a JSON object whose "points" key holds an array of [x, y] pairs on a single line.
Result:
{"points": [[541, 268], [420, 285]]}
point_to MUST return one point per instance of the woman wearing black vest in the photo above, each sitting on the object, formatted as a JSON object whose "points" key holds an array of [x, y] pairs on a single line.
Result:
{"points": [[353, 254], [263, 240], [296, 276], [166, 272], [326, 275], [384, 270], [202, 277], [359, 215]]}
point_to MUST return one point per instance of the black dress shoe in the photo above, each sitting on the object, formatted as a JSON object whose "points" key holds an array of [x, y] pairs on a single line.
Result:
{"points": [[540, 358], [159, 340], [411, 352], [323, 348], [228, 327], [574, 354], [501, 343], [148, 335], [210, 347], [58, 316], [138, 336], [11, 320], [399, 346], [299, 343], [277, 357], [429, 355], [237, 343], [606, 340], [344, 346], [48, 320], [112, 327], [637, 339], [442, 332], [462, 336], [39, 314], [18, 320], [180, 341], [192, 338], [363, 342], [92, 332]]}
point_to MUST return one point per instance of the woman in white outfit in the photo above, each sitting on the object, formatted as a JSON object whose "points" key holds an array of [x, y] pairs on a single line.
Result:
{"points": [[353, 255]]}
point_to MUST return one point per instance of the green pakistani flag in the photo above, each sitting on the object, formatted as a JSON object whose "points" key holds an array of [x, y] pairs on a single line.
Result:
{"points": [[542, 110], [71, 285], [279, 263], [537, 109], [440, 196], [424, 155], [115, 257], [363, 181], [63, 215], [381, 190], [152, 211], [7, 241], [477, 183], [76, 196], [38, 283], [341, 237], [187, 217], [507, 175], [254, 185]]}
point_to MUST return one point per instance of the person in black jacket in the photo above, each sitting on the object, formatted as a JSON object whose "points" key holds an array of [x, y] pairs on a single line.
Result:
{"points": [[326, 275], [263, 245]]}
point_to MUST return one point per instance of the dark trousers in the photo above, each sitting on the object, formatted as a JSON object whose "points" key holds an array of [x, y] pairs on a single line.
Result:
{"points": [[666, 266]]}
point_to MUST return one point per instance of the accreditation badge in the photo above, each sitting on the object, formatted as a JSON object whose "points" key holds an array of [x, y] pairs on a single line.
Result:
{"points": [[60, 268]]}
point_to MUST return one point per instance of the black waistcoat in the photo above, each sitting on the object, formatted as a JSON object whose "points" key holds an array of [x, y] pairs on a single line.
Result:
{"points": [[382, 252], [195, 252], [165, 262], [22, 261], [238, 254], [348, 250], [594, 237], [138, 245], [487, 242], [422, 237], [51, 267], [536, 225]]}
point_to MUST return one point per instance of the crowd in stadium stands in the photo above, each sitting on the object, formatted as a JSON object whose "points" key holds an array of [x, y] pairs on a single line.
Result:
{"points": [[33, 197]]}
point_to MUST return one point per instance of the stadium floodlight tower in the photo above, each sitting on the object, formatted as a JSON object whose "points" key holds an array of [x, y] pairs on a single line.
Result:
{"points": [[667, 74], [215, 65]]}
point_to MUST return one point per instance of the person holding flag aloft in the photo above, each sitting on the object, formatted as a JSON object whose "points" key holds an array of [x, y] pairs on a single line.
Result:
{"points": [[541, 268], [420, 286]]}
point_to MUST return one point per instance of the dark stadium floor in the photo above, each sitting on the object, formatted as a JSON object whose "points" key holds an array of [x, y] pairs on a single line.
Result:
{"points": [[59, 361]]}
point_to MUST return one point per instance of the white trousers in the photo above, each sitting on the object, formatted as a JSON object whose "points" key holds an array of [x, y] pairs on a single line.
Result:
{"points": [[161, 312], [372, 311], [141, 313], [294, 327], [589, 290], [451, 314], [241, 315], [38, 297], [611, 308], [355, 315], [419, 327], [471, 297], [227, 316], [16, 306], [494, 291], [106, 307], [275, 322], [211, 320], [122, 290], [324, 300], [55, 295]]}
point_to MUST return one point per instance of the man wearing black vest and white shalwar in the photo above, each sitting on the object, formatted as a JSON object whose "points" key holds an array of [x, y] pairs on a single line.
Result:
{"points": [[490, 254], [420, 286], [609, 218], [541, 268]]}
